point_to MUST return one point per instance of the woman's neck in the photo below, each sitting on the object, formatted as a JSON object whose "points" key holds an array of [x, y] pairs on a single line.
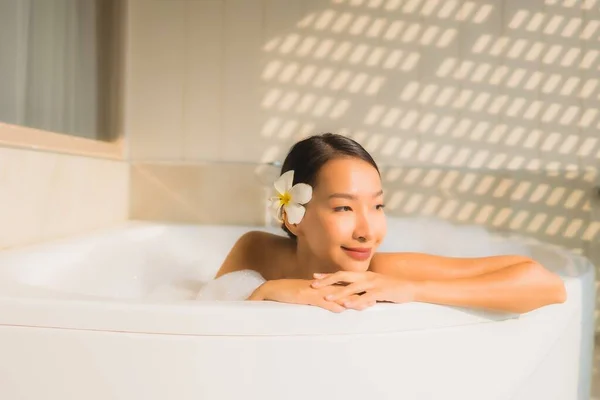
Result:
{"points": [[307, 263]]}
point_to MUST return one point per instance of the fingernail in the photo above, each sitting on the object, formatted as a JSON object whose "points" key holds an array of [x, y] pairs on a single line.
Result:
{"points": [[318, 275], [329, 297], [315, 284]]}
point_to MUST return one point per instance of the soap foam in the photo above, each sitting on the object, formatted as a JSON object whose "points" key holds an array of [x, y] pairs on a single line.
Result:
{"points": [[237, 285]]}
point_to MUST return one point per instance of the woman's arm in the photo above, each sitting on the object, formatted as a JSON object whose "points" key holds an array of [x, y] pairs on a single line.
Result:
{"points": [[502, 283], [517, 288], [421, 266]]}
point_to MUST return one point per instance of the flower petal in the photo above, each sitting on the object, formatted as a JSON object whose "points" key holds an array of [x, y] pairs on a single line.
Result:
{"points": [[275, 207], [301, 193], [294, 212], [274, 202], [284, 183]]}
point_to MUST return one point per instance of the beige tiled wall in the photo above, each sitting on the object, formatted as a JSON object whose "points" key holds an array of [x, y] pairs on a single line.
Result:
{"points": [[198, 193], [481, 112], [47, 195]]}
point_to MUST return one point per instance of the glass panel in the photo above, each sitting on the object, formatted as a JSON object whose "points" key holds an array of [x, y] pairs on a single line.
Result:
{"points": [[60, 65]]}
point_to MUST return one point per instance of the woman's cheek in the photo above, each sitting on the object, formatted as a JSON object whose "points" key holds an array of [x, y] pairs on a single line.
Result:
{"points": [[341, 228], [382, 230]]}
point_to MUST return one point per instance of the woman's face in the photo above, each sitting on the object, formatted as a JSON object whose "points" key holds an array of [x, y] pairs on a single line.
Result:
{"points": [[344, 221]]}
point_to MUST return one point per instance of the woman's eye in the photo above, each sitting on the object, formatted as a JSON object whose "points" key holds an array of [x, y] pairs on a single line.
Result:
{"points": [[342, 208], [380, 206]]}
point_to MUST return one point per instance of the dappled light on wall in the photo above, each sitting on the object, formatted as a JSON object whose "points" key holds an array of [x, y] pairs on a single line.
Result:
{"points": [[511, 87]]}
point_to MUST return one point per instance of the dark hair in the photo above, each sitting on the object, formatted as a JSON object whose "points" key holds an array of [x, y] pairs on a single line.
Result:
{"points": [[307, 156]]}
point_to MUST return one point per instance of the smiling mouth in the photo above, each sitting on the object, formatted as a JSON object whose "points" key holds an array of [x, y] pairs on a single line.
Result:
{"points": [[360, 254]]}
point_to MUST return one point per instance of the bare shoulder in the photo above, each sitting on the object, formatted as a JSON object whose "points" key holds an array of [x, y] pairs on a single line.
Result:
{"points": [[252, 250]]}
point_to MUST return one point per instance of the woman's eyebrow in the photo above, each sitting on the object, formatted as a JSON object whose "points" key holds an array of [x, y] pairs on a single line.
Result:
{"points": [[343, 196], [351, 196]]}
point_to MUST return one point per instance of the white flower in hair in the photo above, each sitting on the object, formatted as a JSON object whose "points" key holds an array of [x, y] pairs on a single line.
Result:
{"points": [[290, 198]]}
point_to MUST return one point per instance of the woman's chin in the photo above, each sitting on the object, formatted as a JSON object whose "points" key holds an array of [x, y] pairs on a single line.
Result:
{"points": [[356, 266]]}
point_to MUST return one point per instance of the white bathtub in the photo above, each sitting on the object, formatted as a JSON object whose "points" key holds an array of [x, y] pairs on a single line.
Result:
{"points": [[110, 315]]}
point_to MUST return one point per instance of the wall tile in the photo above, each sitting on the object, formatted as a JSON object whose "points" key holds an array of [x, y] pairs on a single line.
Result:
{"points": [[203, 89], [155, 79], [46, 195], [205, 194]]}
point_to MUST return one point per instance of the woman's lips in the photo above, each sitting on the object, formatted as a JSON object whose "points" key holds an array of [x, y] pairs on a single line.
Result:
{"points": [[358, 253]]}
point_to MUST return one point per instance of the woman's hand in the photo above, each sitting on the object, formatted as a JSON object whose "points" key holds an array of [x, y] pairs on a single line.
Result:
{"points": [[364, 289], [296, 291]]}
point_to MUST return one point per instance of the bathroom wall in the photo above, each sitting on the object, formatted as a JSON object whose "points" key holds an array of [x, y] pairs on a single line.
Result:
{"points": [[48, 195], [479, 112]]}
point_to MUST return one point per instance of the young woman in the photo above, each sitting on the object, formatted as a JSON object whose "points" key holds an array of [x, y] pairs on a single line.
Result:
{"points": [[330, 204]]}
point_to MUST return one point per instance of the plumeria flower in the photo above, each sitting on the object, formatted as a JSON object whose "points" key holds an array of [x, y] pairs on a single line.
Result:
{"points": [[290, 198]]}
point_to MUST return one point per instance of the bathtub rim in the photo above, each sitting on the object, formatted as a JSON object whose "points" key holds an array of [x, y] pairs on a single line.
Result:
{"points": [[243, 318]]}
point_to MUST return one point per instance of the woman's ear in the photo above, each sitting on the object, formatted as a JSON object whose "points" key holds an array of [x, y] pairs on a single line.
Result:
{"points": [[291, 227]]}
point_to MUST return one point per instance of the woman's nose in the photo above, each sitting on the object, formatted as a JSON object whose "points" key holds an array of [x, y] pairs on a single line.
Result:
{"points": [[362, 229]]}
